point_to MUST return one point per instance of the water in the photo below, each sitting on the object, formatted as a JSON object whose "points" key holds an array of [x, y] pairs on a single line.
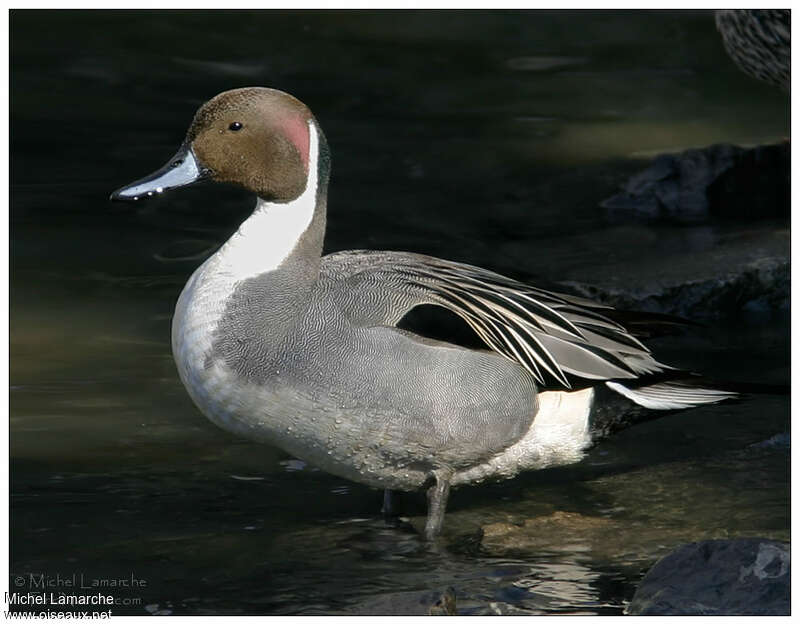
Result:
{"points": [[483, 137]]}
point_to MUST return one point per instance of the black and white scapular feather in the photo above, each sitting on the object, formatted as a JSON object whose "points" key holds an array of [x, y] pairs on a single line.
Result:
{"points": [[563, 341]]}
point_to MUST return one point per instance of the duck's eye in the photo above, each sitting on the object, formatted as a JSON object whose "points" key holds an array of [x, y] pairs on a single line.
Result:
{"points": [[235, 126]]}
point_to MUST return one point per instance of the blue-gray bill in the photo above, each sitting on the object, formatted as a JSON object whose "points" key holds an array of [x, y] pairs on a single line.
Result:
{"points": [[180, 171]]}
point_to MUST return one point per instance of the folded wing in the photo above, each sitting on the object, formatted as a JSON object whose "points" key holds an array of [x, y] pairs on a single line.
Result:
{"points": [[553, 335]]}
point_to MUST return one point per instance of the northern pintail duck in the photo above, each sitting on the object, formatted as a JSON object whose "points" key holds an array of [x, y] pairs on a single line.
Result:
{"points": [[759, 42], [278, 343]]}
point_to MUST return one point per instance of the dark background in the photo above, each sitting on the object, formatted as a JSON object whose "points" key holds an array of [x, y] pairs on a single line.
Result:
{"points": [[485, 137]]}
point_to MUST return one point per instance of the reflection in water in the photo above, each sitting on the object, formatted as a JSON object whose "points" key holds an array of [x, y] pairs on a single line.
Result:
{"points": [[483, 137]]}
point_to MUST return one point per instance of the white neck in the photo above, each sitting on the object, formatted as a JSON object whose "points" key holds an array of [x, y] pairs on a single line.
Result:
{"points": [[270, 234]]}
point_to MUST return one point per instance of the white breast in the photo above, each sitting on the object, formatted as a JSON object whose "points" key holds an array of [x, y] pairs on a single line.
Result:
{"points": [[260, 245]]}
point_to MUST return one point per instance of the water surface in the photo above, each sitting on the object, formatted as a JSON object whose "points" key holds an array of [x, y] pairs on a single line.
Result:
{"points": [[486, 137]]}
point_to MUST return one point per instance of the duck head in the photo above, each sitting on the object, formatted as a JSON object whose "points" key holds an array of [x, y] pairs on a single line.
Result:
{"points": [[255, 138]]}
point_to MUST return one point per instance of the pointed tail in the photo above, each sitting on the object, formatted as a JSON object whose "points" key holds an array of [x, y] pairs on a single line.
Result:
{"points": [[621, 404], [673, 395]]}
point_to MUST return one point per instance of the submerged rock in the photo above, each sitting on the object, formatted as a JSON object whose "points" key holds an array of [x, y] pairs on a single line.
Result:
{"points": [[760, 287], [734, 273], [749, 576], [424, 603], [565, 530], [718, 181]]}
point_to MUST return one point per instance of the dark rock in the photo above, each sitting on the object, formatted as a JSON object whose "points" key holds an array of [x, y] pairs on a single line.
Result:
{"points": [[756, 187], [778, 441], [718, 181], [749, 576], [736, 272], [565, 529], [757, 288], [424, 603]]}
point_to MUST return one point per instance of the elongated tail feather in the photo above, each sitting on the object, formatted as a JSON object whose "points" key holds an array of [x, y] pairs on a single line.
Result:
{"points": [[673, 395], [621, 404]]}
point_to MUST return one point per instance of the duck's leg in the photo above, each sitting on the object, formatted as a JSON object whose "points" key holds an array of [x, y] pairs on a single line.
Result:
{"points": [[437, 502], [388, 504]]}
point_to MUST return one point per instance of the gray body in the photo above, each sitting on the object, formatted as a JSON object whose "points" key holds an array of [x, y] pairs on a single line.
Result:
{"points": [[280, 344], [338, 386]]}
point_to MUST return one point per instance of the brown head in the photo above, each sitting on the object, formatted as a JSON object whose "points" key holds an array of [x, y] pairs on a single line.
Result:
{"points": [[256, 138]]}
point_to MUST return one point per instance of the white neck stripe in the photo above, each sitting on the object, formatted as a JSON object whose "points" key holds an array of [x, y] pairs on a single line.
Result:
{"points": [[270, 234]]}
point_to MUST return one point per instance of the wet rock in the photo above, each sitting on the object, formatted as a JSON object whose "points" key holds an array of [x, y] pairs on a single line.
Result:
{"points": [[718, 181], [498, 608], [747, 272], [779, 441], [760, 287], [718, 577], [560, 530], [424, 603]]}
